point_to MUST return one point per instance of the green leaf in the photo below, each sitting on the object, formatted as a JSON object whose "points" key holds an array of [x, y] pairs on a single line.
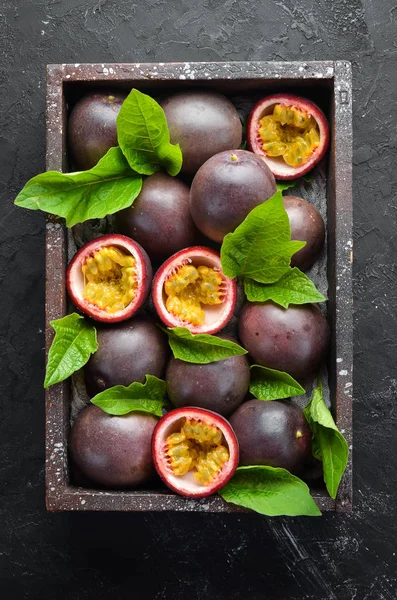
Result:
{"points": [[285, 185], [200, 348], [294, 287], [143, 397], [269, 384], [329, 445], [144, 137], [270, 491], [74, 342], [260, 248], [103, 190]]}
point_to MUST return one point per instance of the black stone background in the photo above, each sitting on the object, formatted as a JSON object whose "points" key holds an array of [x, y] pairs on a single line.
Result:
{"points": [[197, 556]]}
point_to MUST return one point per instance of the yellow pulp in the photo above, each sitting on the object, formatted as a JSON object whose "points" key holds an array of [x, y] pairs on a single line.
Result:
{"points": [[109, 279], [289, 133], [197, 447], [190, 287]]}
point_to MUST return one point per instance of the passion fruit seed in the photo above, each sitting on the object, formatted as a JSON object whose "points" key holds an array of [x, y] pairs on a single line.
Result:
{"points": [[290, 133], [189, 287], [196, 447], [109, 279]]}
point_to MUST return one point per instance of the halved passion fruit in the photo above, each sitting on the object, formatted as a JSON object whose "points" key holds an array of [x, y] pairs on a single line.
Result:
{"points": [[290, 133], [195, 451], [189, 290], [109, 278]]}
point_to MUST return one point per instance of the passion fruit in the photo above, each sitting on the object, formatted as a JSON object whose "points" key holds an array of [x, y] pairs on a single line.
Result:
{"points": [[307, 226], [289, 133], [127, 352], [160, 219], [109, 278], [190, 290], [195, 451], [92, 127], [203, 123], [220, 386], [226, 188], [113, 451], [274, 434], [293, 339]]}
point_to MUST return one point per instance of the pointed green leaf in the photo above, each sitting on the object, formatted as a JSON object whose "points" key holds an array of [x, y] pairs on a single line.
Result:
{"points": [[142, 397], [74, 342], [270, 384], [270, 491], [294, 287], [200, 348]]}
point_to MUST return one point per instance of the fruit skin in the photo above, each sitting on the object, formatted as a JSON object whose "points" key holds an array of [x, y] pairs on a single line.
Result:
{"points": [[160, 219], [266, 431], [180, 485], [127, 352], [278, 167], [203, 123], [307, 225], [226, 188], [293, 339], [74, 279], [220, 386], [198, 255], [113, 451], [92, 127]]}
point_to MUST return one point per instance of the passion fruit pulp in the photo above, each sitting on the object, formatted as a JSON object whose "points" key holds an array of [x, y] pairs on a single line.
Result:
{"points": [[203, 123], [195, 451], [113, 451], [226, 188], [92, 127], [109, 278], [274, 434], [289, 133], [189, 290]]}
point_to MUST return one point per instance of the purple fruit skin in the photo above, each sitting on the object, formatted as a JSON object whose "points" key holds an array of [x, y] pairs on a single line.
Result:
{"points": [[294, 340], [92, 127], [226, 188], [307, 225], [113, 451], [160, 219], [266, 433], [219, 386], [127, 352], [203, 123]]}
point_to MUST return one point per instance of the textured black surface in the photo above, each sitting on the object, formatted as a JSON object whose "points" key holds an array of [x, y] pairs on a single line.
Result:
{"points": [[167, 556]]}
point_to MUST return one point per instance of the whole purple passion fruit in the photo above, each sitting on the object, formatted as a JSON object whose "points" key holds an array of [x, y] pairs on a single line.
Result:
{"points": [[293, 339], [109, 278], [220, 386], [159, 219], [195, 451], [190, 290], [92, 127], [113, 451], [289, 133], [307, 226], [226, 188], [275, 434], [203, 123], [127, 352]]}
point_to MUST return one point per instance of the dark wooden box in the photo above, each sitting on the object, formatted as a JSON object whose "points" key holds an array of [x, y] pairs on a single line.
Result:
{"points": [[328, 83]]}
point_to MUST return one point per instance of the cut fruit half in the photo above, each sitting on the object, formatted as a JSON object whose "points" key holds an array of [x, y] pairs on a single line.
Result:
{"points": [[190, 290], [290, 133], [195, 451], [109, 278]]}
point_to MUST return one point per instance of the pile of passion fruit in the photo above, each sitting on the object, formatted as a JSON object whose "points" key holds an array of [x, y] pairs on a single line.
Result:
{"points": [[173, 231]]}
